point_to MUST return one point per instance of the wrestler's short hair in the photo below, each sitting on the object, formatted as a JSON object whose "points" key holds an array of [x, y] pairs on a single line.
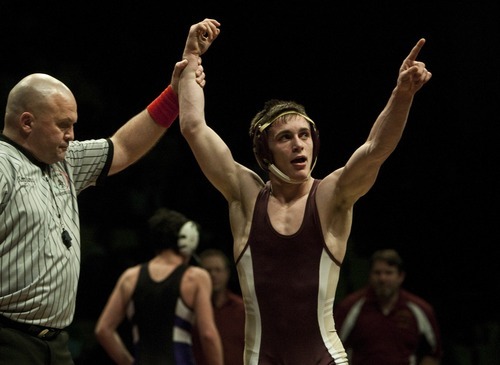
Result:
{"points": [[166, 231]]}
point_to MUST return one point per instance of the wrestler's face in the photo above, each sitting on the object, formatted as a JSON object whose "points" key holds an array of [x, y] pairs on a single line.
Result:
{"points": [[291, 146], [385, 279]]}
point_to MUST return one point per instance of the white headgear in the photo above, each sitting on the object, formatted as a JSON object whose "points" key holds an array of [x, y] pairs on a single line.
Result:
{"points": [[188, 239]]}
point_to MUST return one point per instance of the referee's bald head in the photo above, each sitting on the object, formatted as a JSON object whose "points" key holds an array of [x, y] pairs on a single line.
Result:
{"points": [[39, 116]]}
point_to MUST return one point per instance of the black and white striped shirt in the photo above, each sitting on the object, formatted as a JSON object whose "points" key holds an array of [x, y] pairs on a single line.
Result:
{"points": [[38, 272]]}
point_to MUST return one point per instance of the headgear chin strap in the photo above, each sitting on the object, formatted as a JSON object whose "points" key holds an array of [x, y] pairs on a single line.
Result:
{"points": [[189, 237], [263, 154], [281, 175]]}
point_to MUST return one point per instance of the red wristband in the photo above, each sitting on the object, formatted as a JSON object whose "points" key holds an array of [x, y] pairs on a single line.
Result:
{"points": [[165, 108]]}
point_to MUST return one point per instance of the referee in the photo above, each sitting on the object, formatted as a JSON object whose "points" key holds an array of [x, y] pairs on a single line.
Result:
{"points": [[42, 171]]}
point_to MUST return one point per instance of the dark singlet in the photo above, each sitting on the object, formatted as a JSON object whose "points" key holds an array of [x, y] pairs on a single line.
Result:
{"points": [[288, 284], [161, 321]]}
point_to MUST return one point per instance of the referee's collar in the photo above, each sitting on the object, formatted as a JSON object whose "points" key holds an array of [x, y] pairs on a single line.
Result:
{"points": [[27, 153]]}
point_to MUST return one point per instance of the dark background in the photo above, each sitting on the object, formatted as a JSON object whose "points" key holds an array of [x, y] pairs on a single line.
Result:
{"points": [[435, 199]]}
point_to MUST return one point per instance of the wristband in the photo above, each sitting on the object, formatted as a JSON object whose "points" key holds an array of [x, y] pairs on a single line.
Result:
{"points": [[165, 108]]}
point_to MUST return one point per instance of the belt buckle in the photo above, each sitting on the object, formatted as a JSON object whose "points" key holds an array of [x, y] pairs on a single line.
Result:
{"points": [[43, 333]]}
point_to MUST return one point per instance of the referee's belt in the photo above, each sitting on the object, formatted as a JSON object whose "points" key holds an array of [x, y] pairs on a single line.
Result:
{"points": [[45, 333]]}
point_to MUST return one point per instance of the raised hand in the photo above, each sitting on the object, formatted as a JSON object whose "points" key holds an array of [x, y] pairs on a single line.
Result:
{"points": [[201, 35], [412, 73]]}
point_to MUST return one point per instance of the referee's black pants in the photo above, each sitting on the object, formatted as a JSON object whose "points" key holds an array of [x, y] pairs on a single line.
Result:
{"points": [[21, 348]]}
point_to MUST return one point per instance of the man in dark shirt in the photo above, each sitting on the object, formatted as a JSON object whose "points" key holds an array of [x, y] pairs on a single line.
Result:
{"points": [[229, 310], [383, 324]]}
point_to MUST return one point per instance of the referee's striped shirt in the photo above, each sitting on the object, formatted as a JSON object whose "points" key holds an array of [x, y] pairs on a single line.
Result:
{"points": [[38, 273]]}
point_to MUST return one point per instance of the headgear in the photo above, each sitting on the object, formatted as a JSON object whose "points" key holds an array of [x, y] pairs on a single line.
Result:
{"points": [[261, 148], [188, 239]]}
